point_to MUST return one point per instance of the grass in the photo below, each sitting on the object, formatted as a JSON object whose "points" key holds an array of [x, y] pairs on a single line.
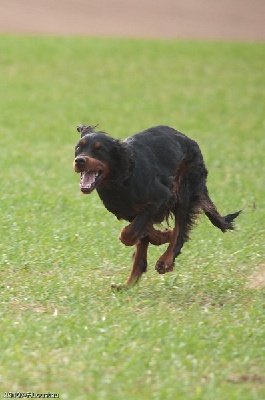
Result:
{"points": [[197, 333]]}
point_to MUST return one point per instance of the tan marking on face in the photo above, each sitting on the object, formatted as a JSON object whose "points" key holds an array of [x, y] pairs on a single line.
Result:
{"points": [[97, 146], [92, 164], [83, 142]]}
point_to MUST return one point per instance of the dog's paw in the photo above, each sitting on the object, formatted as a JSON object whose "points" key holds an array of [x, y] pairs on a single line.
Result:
{"points": [[119, 287], [163, 267]]}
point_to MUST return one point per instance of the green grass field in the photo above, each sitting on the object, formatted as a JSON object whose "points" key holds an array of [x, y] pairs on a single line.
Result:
{"points": [[197, 333]]}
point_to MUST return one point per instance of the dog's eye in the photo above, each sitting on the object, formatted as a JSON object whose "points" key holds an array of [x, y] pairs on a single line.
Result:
{"points": [[77, 148]]}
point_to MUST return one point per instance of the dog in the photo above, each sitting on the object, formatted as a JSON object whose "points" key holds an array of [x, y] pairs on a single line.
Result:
{"points": [[146, 179]]}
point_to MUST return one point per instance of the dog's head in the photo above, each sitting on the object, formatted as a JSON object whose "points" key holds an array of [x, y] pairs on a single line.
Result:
{"points": [[95, 157]]}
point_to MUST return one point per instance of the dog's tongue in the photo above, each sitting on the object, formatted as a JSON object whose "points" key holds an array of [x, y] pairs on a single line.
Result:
{"points": [[88, 178]]}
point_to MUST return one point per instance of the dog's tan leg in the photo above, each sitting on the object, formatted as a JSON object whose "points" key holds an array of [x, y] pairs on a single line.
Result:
{"points": [[139, 261], [137, 229], [166, 261], [127, 237], [158, 237]]}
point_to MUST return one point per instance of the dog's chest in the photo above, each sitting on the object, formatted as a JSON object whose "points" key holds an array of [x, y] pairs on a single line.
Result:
{"points": [[123, 204]]}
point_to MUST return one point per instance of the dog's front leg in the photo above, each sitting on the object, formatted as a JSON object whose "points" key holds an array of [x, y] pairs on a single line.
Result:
{"points": [[139, 261], [139, 264], [136, 229], [158, 237], [127, 237]]}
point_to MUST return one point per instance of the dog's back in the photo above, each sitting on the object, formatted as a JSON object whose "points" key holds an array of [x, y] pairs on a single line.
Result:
{"points": [[162, 147]]}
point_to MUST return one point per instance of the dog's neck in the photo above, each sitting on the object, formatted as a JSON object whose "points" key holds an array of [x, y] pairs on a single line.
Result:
{"points": [[123, 166]]}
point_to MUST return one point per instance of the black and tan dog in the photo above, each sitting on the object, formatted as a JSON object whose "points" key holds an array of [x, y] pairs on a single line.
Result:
{"points": [[145, 179]]}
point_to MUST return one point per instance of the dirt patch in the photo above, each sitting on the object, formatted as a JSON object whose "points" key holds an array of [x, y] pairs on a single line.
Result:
{"points": [[257, 279], [192, 19], [237, 379]]}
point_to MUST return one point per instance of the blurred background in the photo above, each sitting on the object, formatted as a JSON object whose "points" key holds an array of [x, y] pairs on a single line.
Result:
{"points": [[191, 19]]}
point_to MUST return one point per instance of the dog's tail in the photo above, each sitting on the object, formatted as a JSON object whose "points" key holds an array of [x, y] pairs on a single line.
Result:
{"points": [[224, 223]]}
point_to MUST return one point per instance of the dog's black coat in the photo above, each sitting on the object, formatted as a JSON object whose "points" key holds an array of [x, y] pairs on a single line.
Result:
{"points": [[146, 178]]}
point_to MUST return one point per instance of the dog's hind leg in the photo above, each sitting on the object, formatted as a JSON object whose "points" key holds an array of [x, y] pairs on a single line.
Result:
{"points": [[178, 237], [166, 261], [139, 261], [184, 220]]}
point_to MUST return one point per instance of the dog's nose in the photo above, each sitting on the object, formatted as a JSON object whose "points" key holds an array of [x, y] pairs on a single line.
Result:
{"points": [[80, 162]]}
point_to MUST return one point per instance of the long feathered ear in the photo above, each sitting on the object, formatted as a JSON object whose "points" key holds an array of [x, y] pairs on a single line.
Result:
{"points": [[123, 161], [86, 130]]}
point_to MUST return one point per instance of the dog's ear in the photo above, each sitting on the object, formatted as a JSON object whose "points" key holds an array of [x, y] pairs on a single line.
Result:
{"points": [[86, 130], [123, 163], [121, 154], [117, 151]]}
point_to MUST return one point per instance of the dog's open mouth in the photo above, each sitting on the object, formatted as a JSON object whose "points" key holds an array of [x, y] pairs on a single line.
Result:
{"points": [[90, 180]]}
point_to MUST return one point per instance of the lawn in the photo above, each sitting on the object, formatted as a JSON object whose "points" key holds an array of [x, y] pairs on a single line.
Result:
{"points": [[197, 333]]}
